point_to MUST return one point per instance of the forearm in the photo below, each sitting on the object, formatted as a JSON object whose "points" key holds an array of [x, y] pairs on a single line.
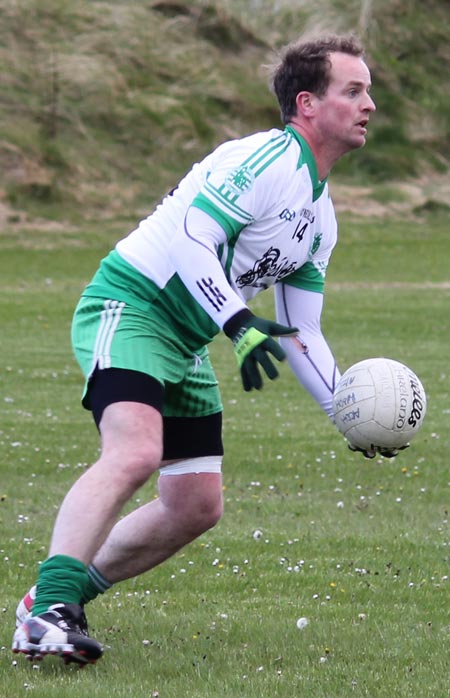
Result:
{"points": [[315, 369], [309, 354]]}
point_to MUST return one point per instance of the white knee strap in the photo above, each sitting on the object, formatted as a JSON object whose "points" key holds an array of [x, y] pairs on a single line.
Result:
{"points": [[204, 464]]}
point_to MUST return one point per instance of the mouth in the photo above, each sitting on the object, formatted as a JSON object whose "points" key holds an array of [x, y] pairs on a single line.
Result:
{"points": [[363, 124]]}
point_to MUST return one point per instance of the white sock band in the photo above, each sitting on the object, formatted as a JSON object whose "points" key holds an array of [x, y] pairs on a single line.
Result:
{"points": [[205, 464]]}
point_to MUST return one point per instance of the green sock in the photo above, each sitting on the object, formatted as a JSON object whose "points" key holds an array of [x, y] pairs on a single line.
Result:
{"points": [[61, 580]]}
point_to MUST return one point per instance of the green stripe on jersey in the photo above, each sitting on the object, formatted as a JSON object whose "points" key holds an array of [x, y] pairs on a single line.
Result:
{"points": [[272, 155], [220, 202], [230, 225], [266, 151], [308, 277]]}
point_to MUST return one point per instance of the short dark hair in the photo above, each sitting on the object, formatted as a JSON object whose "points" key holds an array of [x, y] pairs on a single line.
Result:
{"points": [[305, 65]]}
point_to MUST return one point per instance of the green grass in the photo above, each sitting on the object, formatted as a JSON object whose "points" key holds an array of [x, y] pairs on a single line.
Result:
{"points": [[359, 548]]}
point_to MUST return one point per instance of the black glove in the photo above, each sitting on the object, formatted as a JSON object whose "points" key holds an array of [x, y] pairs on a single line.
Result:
{"points": [[252, 340]]}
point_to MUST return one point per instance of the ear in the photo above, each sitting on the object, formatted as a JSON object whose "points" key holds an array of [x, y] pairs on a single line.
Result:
{"points": [[305, 102]]}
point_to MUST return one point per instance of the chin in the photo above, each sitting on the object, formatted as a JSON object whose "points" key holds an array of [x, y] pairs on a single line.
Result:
{"points": [[358, 143]]}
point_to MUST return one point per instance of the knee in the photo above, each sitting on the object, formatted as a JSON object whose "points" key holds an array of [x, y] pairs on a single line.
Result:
{"points": [[131, 435], [196, 507], [199, 515], [131, 465], [205, 514]]}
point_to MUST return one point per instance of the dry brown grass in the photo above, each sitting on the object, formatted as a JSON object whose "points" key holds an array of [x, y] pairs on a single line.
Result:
{"points": [[105, 105]]}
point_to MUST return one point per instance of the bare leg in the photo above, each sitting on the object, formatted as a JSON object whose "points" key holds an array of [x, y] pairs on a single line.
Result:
{"points": [[188, 505], [131, 451]]}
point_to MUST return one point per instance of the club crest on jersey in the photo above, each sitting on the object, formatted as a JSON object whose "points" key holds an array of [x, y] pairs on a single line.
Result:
{"points": [[240, 180], [316, 243]]}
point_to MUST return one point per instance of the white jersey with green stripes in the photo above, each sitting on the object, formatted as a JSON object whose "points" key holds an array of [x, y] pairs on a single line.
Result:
{"points": [[251, 214]]}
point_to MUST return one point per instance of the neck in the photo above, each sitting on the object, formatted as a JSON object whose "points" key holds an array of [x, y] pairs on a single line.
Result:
{"points": [[323, 156]]}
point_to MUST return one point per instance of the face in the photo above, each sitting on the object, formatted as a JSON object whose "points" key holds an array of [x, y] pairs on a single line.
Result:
{"points": [[343, 112]]}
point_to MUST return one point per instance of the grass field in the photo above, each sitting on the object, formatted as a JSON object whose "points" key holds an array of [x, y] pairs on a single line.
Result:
{"points": [[359, 548]]}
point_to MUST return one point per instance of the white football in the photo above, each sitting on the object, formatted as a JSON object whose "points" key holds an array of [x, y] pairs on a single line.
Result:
{"points": [[379, 403]]}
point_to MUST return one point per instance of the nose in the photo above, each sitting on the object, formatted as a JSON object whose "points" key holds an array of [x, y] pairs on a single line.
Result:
{"points": [[369, 103]]}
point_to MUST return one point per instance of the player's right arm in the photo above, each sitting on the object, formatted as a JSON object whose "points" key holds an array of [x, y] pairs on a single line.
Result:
{"points": [[194, 254], [193, 251]]}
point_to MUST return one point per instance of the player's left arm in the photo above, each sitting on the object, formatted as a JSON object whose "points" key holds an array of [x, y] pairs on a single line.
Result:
{"points": [[308, 354]]}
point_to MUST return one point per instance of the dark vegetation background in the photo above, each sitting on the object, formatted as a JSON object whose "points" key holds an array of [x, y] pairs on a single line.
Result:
{"points": [[103, 105]]}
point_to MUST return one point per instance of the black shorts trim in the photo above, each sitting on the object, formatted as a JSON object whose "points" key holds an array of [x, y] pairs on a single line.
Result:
{"points": [[193, 437], [111, 385], [183, 437]]}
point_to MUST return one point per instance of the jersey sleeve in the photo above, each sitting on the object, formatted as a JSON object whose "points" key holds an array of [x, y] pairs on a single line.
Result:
{"points": [[194, 253], [241, 186], [309, 355]]}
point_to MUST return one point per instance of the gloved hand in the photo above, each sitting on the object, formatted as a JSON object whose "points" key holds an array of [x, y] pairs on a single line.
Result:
{"points": [[372, 452], [252, 340]]}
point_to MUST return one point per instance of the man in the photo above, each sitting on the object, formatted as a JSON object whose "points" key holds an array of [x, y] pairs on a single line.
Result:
{"points": [[254, 213]]}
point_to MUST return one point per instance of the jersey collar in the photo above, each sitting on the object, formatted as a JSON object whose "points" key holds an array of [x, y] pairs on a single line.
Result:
{"points": [[307, 158]]}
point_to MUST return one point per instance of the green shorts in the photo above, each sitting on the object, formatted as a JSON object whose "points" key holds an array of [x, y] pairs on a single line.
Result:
{"points": [[113, 334]]}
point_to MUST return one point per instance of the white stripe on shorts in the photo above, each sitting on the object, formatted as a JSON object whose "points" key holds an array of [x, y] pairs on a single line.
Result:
{"points": [[203, 464], [110, 317]]}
